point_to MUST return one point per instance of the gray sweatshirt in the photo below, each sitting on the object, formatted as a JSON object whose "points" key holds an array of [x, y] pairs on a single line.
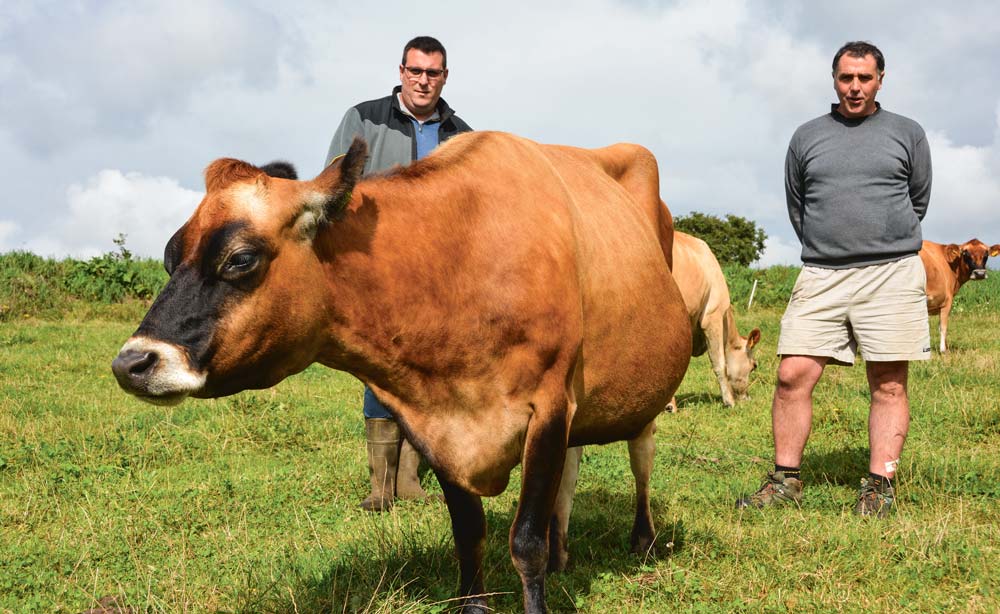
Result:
{"points": [[857, 188]]}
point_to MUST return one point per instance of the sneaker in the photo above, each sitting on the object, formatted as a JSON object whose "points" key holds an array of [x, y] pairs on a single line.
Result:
{"points": [[874, 501], [776, 490]]}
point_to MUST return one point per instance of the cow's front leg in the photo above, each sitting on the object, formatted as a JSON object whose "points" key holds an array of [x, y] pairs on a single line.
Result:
{"points": [[717, 356], [468, 526], [559, 527], [542, 465], [640, 456]]}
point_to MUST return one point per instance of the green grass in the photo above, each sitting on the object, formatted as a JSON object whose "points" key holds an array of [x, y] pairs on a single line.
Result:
{"points": [[249, 504]]}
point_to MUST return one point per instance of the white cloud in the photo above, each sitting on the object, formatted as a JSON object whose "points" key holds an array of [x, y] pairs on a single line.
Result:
{"points": [[106, 69], [965, 196], [7, 231], [779, 251], [148, 210]]}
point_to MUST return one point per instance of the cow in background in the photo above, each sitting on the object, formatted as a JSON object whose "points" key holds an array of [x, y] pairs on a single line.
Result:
{"points": [[507, 299], [948, 267], [713, 325]]}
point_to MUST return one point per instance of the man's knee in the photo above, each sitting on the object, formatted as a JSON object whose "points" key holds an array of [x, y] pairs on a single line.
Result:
{"points": [[798, 375], [888, 378]]}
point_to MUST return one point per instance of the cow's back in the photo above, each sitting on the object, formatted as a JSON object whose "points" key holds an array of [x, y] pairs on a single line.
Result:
{"points": [[635, 169]]}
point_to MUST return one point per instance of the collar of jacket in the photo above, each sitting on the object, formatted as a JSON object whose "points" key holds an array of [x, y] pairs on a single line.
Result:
{"points": [[442, 107]]}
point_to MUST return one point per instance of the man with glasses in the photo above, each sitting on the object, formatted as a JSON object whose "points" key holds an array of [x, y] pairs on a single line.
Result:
{"points": [[399, 128]]}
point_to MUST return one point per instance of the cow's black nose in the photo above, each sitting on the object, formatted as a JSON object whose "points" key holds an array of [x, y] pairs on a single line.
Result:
{"points": [[131, 368], [978, 274]]}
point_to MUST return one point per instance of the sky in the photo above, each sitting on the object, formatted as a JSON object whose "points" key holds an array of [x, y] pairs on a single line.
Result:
{"points": [[110, 110]]}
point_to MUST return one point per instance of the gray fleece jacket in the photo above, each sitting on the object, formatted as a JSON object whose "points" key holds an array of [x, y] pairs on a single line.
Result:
{"points": [[388, 131], [857, 189]]}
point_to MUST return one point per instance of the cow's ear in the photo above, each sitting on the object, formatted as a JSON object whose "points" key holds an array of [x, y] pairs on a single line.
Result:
{"points": [[952, 253], [995, 250], [752, 340], [226, 171], [338, 179], [174, 251], [280, 169]]}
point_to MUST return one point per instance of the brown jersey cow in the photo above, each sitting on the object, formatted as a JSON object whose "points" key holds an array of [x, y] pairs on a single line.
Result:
{"points": [[948, 267], [713, 324], [507, 299]]}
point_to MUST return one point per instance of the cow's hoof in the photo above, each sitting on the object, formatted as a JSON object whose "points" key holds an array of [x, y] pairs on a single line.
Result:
{"points": [[558, 561], [643, 547]]}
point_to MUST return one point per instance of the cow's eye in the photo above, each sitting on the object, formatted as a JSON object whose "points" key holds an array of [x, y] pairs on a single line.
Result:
{"points": [[240, 262]]}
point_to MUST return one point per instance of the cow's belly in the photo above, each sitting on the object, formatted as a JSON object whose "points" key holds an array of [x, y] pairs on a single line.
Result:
{"points": [[615, 414]]}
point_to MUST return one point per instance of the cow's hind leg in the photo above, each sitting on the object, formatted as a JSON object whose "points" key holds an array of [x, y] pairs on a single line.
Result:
{"points": [[542, 465], [468, 525], [559, 526], [640, 455]]}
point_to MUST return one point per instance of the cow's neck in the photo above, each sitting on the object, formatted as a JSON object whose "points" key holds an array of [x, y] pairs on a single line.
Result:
{"points": [[962, 275], [732, 332], [393, 288]]}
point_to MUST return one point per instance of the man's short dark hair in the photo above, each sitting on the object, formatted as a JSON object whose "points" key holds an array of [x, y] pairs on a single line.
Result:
{"points": [[859, 49], [427, 44]]}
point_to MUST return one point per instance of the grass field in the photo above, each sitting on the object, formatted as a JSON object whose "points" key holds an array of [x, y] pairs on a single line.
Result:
{"points": [[249, 504]]}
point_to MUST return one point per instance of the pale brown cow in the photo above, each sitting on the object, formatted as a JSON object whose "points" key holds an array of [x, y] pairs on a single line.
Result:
{"points": [[505, 298], [948, 267], [713, 324]]}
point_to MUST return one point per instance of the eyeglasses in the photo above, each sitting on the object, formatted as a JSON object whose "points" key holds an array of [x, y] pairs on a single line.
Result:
{"points": [[432, 73]]}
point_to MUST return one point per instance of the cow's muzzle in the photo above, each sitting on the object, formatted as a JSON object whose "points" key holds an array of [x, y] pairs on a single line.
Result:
{"points": [[978, 274], [132, 369], [155, 371]]}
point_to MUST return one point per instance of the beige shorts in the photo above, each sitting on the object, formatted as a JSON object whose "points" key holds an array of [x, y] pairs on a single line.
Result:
{"points": [[880, 309]]}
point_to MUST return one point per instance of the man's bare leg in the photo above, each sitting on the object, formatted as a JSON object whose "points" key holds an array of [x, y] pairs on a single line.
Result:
{"points": [[791, 422], [791, 409], [889, 418]]}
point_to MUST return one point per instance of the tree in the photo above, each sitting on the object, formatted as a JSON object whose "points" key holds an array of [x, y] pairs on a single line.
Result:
{"points": [[734, 240]]}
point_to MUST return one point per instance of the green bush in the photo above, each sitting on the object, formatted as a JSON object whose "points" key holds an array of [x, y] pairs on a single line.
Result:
{"points": [[734, 240], [33, 286], [114, 276], [116, 284], [774, 285], [30, 285]]}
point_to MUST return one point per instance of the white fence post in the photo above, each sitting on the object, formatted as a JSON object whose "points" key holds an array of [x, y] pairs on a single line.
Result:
{"points": [[752, 292]]}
